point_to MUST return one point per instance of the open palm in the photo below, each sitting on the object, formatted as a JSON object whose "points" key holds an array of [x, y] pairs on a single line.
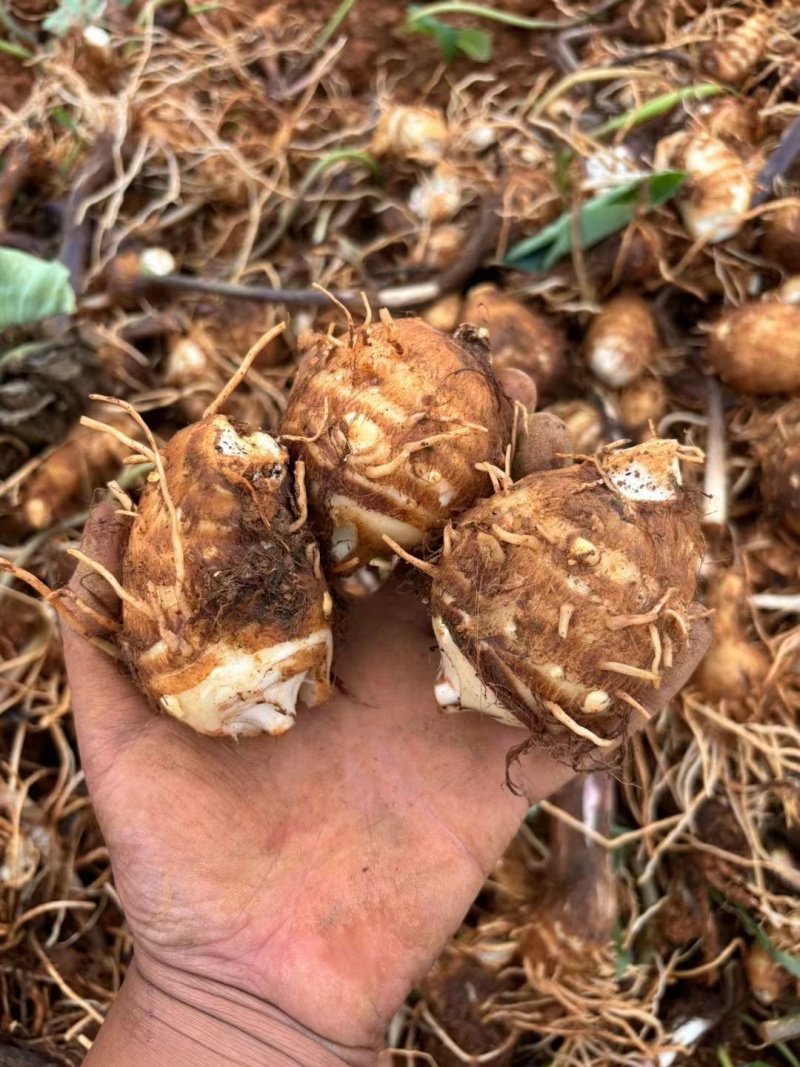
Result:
{"points": [[321, 871]]}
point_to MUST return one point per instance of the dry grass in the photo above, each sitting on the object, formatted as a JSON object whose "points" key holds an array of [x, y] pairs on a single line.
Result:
{"points": [[238, 147]]}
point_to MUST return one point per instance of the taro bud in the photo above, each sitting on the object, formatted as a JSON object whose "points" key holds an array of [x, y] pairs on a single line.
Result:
{"points": [[230, 646], [733, 57], [543, 443], [437, 197], [391, 422], [735, 667], [781, 239], [756, 348], [584, 421], [642, 403], [558, 603], [418, 133], [84, 461], [445, 314], [622, 341], [715, 201], [441, 247], [520, 337]]}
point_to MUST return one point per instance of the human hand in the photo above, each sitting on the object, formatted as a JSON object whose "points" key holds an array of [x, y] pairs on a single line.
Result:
{"points": [[288, 892]]}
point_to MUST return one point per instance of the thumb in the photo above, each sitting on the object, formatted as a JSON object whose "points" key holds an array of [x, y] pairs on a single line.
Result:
{"points": [[107, 707]]}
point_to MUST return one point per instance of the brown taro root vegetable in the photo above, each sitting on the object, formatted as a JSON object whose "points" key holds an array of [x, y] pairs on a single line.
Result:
{"points": [[756, 348], [735, 666], [657, 20], [396, 424], [789, 291], [767, 979], [445, 314], [520, 337], [519, 387], [131, 274], [196, 361], [640, 404], [543, 443], [557, 603], [225, 613], [716, 198], [781, 239], [732, 119], [67, 478], [780, 476], [627, 259], [622, 341], [441, 247], [585, 422], [780, 485], [734, 56], [418, 133]]}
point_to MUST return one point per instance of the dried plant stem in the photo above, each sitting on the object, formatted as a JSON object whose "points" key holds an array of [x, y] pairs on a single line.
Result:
{"points": [[582, 731], [335, 300], [103, 620], [244, 367], [382, 470], [582, 77], [301, 495], [142, 453], [507, 18], [56, 600], [119, 589], [637, 707], [426, 568]]}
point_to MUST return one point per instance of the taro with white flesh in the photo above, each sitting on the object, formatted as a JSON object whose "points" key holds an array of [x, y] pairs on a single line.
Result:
{"points": [[226, 613], [559, 602], [400, 427]]}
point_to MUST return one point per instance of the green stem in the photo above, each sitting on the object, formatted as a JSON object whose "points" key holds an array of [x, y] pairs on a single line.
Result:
{"points": [[787, 1054], [15, 50], [724, 1057], [654, 109], [356, 155], [456, 7], [583, 77], [315, 171], [333, 24]]}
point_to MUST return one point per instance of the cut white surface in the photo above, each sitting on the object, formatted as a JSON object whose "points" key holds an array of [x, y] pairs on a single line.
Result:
{"points": [[637, 482], [458, 687], [230, 443], [249, 693], [347, 514]]}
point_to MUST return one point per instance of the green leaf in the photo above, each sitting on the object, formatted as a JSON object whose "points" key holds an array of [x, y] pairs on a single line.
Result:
{"points": [[32, 289], [624, 958], [72, 14], [477, 44], [445, 36], [599, 218]]}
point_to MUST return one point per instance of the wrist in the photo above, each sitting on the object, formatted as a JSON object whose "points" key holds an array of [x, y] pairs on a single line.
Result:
{"points": [[178, 1019]]}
